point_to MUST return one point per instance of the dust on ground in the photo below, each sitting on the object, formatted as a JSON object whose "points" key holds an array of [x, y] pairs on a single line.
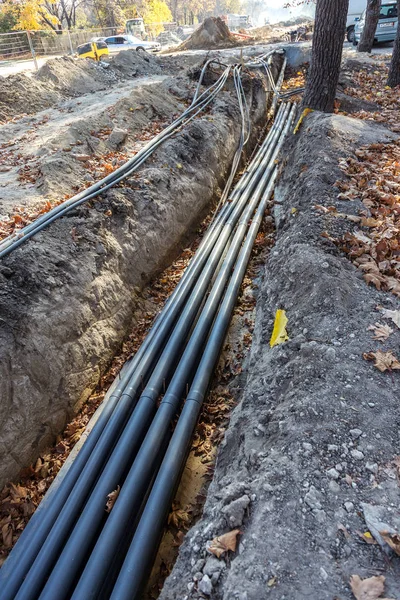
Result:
{"points": [[307, 475]]}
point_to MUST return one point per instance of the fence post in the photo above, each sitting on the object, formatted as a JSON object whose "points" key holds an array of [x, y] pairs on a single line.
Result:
{"points": [[70, 42], [32, 49]]}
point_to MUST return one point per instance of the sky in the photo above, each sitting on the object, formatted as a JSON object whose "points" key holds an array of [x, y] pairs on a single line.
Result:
{"points": [[274, 11]]}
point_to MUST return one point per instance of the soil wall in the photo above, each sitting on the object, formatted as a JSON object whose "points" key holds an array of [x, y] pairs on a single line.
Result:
{"points": [[67, 297]]}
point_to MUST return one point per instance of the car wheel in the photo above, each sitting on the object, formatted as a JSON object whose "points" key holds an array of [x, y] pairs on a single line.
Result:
{"points": [[140, 48], [351, 35]]}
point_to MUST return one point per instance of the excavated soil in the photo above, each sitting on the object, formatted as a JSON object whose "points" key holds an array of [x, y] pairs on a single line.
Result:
{"points": [[213, 33], [70, 77], [67, 297], [308, 462]]}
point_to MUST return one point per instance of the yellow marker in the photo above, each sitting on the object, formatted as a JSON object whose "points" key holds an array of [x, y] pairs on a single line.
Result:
{"points": [[305, 112], [279, 334]]}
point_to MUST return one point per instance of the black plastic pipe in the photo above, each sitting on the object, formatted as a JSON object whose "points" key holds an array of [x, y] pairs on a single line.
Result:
{"points": [[149, 531], [141, 473]]}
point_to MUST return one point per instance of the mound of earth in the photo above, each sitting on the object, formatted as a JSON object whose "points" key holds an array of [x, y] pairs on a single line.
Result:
{"points": [[213, 33], [69, 77], [21, 94], [133, 62]]}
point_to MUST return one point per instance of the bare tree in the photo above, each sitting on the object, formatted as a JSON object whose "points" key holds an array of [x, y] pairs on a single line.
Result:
{"points": [[326, 55], [371, 22], [394, 70]]}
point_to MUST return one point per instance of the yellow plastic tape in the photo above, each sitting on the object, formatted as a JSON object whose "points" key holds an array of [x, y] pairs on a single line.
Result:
{"points": [[279, 334]]}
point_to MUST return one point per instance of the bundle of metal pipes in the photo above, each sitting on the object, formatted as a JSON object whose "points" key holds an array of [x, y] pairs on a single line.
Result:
{"points": [[72, 548], [199, 104]]}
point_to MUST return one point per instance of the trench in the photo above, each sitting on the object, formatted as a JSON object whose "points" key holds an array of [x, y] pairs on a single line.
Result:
{"points": [[68, 296]]}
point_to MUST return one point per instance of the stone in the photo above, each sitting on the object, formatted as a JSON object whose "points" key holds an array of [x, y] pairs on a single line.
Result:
{"points": [[312, 498], [206, 586], [357, 454], [234, 512], [213, 565], [355, 433], [116, 138], [333, 474], [372, 467], [349, 506]]}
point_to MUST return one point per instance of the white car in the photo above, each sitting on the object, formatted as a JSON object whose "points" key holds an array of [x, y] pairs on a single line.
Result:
{"points": [[116, 43]]}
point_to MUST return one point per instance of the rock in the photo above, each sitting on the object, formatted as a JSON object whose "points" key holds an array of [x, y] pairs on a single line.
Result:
{"points": [[213, 565], [357, 454], [334, 487], [234, 512], [372, 467], [312, 498], [205, 585], [333, 474], [355, 433], [116, 138], [381, 518], [349, 506]]}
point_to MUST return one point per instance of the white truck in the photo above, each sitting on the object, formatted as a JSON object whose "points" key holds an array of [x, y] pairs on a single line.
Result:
{"points": [[356, 7]]}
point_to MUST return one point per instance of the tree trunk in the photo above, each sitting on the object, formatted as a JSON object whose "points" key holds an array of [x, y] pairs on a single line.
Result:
{"points": [[371, 22], [326, 56], [394, 70]]}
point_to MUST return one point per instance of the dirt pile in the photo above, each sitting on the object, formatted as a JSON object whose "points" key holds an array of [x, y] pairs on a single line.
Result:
{"points": [[212, 33], [70, 77], [20, 94], [133, 63]]}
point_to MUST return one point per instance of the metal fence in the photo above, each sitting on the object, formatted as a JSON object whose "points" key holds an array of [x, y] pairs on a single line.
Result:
{"points": [[18, 46]]}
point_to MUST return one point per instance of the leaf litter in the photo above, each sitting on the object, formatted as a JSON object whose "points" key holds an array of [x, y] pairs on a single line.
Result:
{"points": [[368, 589]]}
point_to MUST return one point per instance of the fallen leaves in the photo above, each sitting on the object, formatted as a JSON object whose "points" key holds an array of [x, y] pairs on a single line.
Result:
{"points": [[381, 332], [394, 315], [367, 589], [111, 499], [224, 543], [392, 540], [384, 361]]}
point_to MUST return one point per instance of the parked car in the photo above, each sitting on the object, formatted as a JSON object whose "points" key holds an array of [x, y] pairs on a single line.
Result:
{"points": [[116, 43], [356, 8], [387, 24], [94, 50]]}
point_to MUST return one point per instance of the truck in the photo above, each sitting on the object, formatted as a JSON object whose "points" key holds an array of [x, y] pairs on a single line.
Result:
{"points": [[236, 22], [356, 8]]}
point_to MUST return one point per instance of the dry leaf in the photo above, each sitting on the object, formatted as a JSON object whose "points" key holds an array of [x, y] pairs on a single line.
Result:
{"points": [[392, 314], [384, 361], [367, 589], [111, 498], [392, 540], [381, 332], [223, 543]]}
